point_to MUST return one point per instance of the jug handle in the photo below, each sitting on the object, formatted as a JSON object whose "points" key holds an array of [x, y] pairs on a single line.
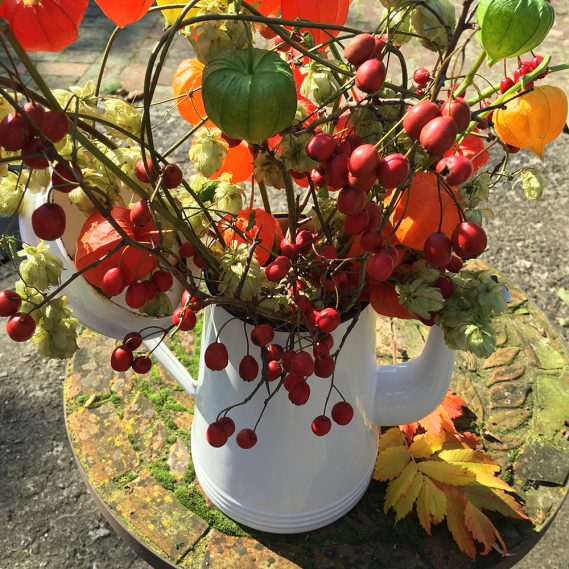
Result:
{"points": [[408, 392], [171, 364]]}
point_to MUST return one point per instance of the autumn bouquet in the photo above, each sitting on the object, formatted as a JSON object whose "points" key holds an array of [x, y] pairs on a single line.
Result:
{"points": [[324, 175]]}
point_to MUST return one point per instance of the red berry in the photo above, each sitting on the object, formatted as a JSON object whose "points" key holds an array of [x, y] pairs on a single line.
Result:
{"points": [[114, 282], [356, 223], [380, 266], [304, 240], [228, 424], [418, 116], [455, 264], [302, 364], [21, 327], [506, 84], [287, 358], [321, 425], [274, 370], [142, 365], [141, 173], [35, 155], [216, 435], [121, 359], [184, 318], [393, 170], [438, 135], [319, 177], [278, 269], [10, 302], [364, 160], [136, 295], [48, 221], [360, 49], [337, 171], [459, 110], [35, 112], [324, 365], [172, 176], [351, 201], [248, 368], [370, 76], [14, 132], [246, 438], [438, 249], [375, 215], [361, 184], [187, 250], [291, 380], [141, 214], [216, 356], [328, 320], [163, 280], [262, 335], [342, 413], [455, 169], [267, 32], [55, 125], [132, 341], [150, 289], [288, 249], [469, 239], [321, 147], [65, 177], [446, 287], [199, 262], [274, 352], [299, 393], [372, 239], [421, 76]]}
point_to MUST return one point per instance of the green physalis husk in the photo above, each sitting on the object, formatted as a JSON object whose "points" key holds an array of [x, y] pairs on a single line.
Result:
{"points": [[509, 28]]}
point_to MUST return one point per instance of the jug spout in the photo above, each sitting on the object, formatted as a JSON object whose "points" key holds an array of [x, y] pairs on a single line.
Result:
{"points": [[407, 392]]}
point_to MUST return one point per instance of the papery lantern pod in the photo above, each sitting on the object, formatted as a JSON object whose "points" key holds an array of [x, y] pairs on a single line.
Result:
{"points": [[268, 7], [124, 12], [417, 214], [472, 147], [188, 81], [239, 162], [318, 11], [532, 120], [44, 25]]}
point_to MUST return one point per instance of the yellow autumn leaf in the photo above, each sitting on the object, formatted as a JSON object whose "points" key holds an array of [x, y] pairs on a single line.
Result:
{"points": [[427, 444], [391, 462], [431, 504], [399, 486], [170, 14], [494, 500], [478, 462], [405, 504], [456, 524], [391, 437], [447, 473], [481, 528]]}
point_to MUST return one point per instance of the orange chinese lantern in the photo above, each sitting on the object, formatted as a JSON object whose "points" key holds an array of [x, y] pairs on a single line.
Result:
{"points": [[255, 224], [269, 7], [385, 301], [187, 86], [419, 211], [98, 237], [472, 147], [125, 12], [44, 25], [318, 11], [239, 161]]}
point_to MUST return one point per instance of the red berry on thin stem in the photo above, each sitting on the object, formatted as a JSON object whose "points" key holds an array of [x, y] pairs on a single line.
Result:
{"points": [[438, 249], [228, 424], [248, 368], [342, 413], [142, 365], [216, 435], [246, 438], [299, 393], [321, 425], [184, 318], [262, 335], [49, 222], [216, 356], [21, 327], [136, 295], [132, 341], [187, 250], [114, 282], [10, 302], [121, 359], [163, 280]]}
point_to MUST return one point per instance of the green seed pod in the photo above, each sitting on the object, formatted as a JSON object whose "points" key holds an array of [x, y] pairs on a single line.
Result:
{"points": [[512, 27]]}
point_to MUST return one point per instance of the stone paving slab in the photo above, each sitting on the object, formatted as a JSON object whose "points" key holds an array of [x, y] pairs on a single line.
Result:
{"points": [[131, 437]]}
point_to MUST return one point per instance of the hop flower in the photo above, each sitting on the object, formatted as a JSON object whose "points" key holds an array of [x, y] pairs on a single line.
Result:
{"points": [[533, 183], [160, 305], [267, 170], [84, 97], [228, 197], [319, 85], [400, 22], [294, 152], [424, 22], [208, 151], [366, 124], [234, 264], [40, 269], [122, 114], [10, 194]]}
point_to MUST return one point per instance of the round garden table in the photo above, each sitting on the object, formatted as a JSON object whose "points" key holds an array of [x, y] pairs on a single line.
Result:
{"points": [[131, 438]]}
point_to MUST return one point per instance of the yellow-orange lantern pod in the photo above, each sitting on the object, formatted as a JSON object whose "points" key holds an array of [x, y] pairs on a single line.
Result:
{"points": [[187, 88], [532, 120]]}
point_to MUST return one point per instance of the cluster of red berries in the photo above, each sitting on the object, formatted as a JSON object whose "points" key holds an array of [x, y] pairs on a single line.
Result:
{"points": [[292, 367], [421, 77], [21, 326], [522, 70], [123, 357], [365, 53]]}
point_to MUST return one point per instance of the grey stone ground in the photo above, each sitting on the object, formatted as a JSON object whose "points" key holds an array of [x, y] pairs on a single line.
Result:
{"points": [[47, 518]]}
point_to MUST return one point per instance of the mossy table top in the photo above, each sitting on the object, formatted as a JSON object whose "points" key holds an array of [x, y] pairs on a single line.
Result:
{"points": [[131, 438]]}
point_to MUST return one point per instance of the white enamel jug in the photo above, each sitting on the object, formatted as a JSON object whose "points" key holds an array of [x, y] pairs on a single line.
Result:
{"points": [[291, 480]]}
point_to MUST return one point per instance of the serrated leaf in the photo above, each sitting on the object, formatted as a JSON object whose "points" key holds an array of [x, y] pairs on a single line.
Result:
{"points": [[482, 528], [427, 444], [456, 523], [391, 462], [431, 505], [391, 437], [405, 503], [399, 486], [447, 473], [494, 500]]}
